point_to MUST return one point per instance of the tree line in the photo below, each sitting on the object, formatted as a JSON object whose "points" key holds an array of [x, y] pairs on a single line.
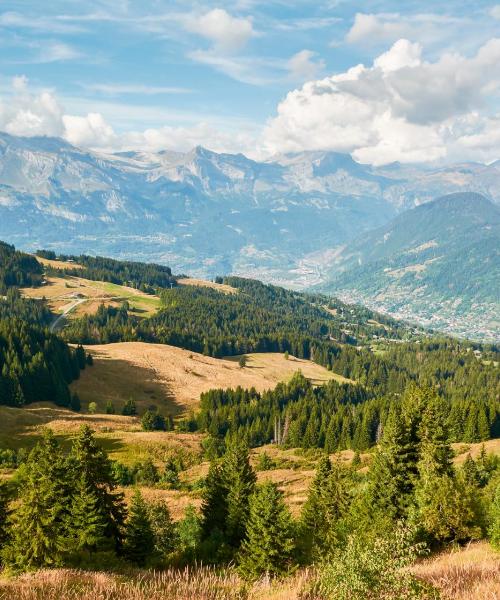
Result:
{"points": [[333, 416], [147, 277], [18, 269], [35, 365], [261, 318]]}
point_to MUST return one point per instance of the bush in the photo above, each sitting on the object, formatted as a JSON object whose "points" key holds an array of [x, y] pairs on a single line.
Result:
{"points": [[129, 409], [374, 570], [153, 421]]}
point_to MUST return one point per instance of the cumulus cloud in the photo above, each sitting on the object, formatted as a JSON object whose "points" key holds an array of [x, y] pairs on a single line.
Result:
{"points": [[90, 131], [25, 113], [400, 108], [227, 33], [302, 65], [28, 114]]}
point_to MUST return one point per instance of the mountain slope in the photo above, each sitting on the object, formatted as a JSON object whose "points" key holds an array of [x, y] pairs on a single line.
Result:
{"points": [[206, 213], [438, 263], [201, 212]]}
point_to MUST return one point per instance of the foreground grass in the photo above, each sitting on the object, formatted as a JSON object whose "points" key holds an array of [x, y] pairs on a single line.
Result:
{"points": [[471, 573], [466, 574], [189, 584]]}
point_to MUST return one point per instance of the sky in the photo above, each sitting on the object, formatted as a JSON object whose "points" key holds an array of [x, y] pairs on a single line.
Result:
{"points": [[385, 81]]}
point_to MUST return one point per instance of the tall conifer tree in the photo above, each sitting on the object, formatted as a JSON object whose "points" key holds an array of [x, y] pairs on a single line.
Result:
{"points": [[269, 541], [139, 537], [240, 481]]}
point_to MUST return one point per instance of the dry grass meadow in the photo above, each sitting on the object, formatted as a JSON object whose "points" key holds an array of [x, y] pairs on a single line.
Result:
{"points": [[220, 287], [62, 291], [471, 573], [173, 378]]}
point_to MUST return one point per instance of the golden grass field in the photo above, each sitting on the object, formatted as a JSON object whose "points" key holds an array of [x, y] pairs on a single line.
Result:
{"points": [[470, 573], [220, 287], [62, 291], [58, 264], [173, 379]]}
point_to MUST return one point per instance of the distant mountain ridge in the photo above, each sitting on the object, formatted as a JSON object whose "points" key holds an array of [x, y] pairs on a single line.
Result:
{"points": [[294, 220], [208, 213], [438, 264]]}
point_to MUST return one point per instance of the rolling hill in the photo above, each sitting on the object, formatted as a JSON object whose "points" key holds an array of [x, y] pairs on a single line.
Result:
{"points": [[438, 264]]}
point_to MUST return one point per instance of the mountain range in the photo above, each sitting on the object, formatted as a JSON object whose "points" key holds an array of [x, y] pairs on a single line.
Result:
{"points": [[438, 263], [297, 219]]}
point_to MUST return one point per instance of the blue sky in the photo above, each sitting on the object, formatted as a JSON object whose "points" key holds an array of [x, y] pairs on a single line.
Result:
{"points": [[219, 74]]}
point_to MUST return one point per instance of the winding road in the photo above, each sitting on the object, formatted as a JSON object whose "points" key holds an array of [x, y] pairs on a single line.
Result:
{"points": [[65, 311]]}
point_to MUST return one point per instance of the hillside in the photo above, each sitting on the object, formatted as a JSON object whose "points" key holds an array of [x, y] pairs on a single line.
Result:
{"points": [[209, 214], [173, 379], [438, 264]]}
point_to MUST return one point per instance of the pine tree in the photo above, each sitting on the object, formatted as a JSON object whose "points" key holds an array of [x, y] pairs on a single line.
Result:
{"points": [[311, 518], [75, 404], [470, 471], [446, 506], [139, 538], [214, 507], [93, 470], [87, 525], [435, 451], [239, 479], [163, 527], [324, 510], [38, 525], [4, 514], [268, 546], [189, 533], [494, 520], [392, 472]]}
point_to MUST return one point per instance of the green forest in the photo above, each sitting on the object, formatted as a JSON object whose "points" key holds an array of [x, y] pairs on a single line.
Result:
{"points": [[360, 528], [407, 396]]}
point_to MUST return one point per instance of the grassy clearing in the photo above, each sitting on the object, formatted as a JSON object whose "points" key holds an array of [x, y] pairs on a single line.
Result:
{"points": [[58, 264], [59, 291], [173, 379], [277, 367], [462, 450], [220, 287]]}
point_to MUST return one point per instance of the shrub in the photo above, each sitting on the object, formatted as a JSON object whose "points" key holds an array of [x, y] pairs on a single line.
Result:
{"points": [[374, 570]]}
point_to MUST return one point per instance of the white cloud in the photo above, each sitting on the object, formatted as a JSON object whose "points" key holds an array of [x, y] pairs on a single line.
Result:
{"points": [[368, 28], [401, 108], [495, 11], [385, 28], [244, 69], [402, 54], [89, 131], [112, 89], [227, 33], [25, 113], [37, 23], [302, 65], [56, 51]]}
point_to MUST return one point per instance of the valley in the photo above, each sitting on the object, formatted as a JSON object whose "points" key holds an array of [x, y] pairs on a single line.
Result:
{"points": [[174, 394]]}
